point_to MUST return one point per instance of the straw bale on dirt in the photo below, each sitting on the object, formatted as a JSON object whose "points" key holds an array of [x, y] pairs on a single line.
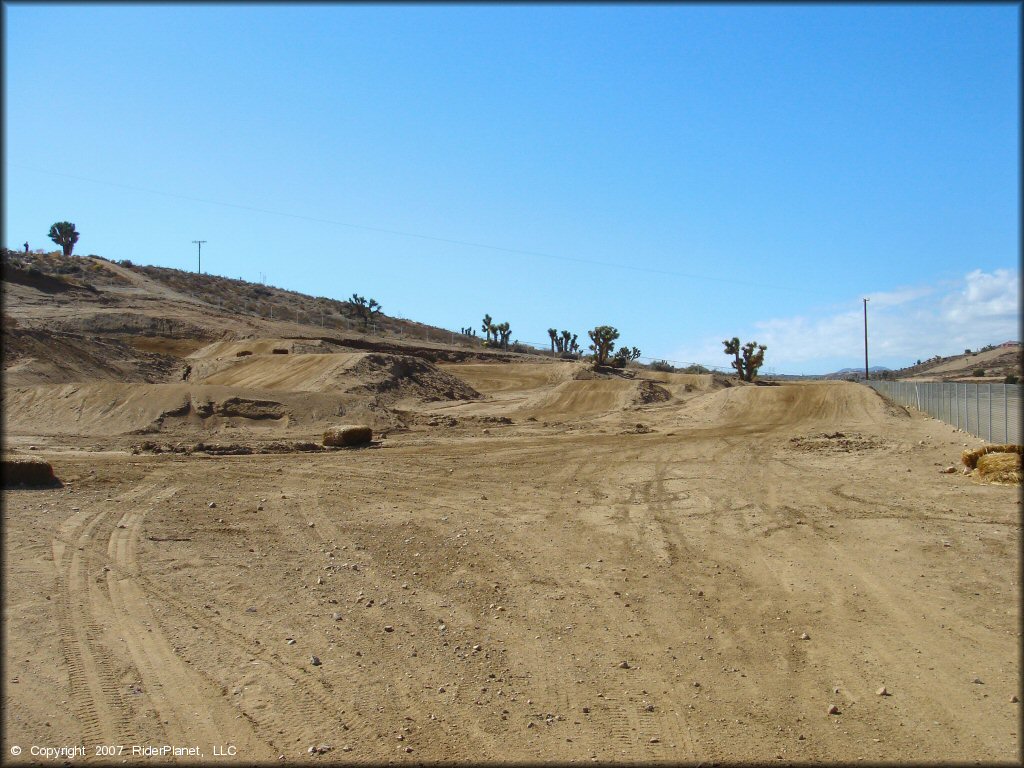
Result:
{"points": [[349, 434], [30, 472], [1000, 467], [970, 458]]}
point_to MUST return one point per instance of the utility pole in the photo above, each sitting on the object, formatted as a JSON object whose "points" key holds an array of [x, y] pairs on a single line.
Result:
{"points": [[200, 244], [867, 374]]}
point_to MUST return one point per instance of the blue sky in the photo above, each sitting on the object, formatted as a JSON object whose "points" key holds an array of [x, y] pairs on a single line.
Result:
{"points": [[685, 173]]}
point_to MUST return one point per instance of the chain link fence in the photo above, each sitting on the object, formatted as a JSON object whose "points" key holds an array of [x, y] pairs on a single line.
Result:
{"points": [[989, 411]]}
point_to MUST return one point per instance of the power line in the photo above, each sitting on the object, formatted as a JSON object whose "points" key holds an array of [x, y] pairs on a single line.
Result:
{"points": [[452, 241]]}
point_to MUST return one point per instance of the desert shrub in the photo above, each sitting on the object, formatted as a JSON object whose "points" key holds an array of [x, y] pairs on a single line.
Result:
{"points": [[126, 263], [695, 368], [663, 365], [978, 372], [1012, 378]]}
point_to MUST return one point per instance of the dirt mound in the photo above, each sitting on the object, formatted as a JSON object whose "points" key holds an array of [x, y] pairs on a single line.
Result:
{"points": [[493, 378], [837, 442], [578, 399], [683, 382], [830, 404], [394, 377], [262, 346], [33, 278], [37, 356], [229, 449], [385, 377], [649, 392], [286, 372], [112, 409], [135, 323]]}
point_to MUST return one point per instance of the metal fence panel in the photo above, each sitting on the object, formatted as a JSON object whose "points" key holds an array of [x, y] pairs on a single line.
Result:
{"points": [[989, 411]]}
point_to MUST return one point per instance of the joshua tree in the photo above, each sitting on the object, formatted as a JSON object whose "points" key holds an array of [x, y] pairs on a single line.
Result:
{"points": [[732, 347], [488, 326], [63, 234], [503, 330], [752, 359], [574, 346], [604, 337], [363, 308], [624, 355], [553, 334]]}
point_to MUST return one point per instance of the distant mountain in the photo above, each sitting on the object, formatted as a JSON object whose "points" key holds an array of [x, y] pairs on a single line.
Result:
{"points": [[844, 373]]}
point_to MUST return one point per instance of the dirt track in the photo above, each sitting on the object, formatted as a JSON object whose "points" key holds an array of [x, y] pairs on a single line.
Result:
{"points": [[472, 587]]}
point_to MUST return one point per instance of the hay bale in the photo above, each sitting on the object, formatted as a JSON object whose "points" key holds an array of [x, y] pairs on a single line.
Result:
{"points": [[1000, 467], [970, 458], [30, 472], [349, 434]]}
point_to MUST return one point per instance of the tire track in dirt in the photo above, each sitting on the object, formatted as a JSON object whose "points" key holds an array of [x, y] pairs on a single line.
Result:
{"points": [[746, 640], [191, 710], [293, 700], [96, 698], [289, 705], [404, 694], [641, 512]]}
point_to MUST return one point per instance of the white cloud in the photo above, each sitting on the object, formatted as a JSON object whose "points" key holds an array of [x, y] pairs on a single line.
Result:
{"points": [[903, 325], [986, 298]]}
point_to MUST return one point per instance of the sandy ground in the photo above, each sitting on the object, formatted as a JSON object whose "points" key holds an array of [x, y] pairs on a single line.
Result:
{"points": [[524, 576]]}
